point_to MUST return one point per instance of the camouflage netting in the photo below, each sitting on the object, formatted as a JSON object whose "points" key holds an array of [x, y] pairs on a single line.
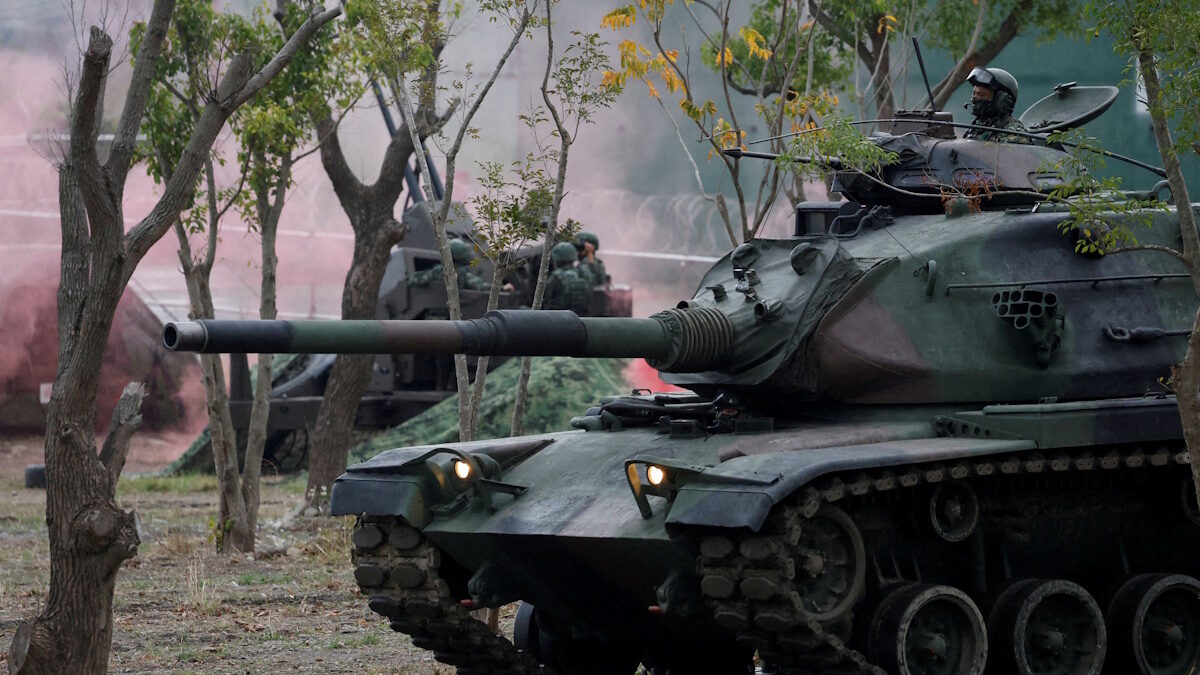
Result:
{"points": [[559, 388]]}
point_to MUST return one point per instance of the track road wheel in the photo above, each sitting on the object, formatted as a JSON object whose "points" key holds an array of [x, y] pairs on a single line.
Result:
{"points": [[831, 565], [1154, 625], [923, 629], [1046, 627]]}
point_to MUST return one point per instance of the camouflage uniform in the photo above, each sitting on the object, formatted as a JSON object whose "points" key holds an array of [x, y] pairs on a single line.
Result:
{"points": [[467, 278], [568, 287], [1006, 122], [462, 255], [594, 267], [594, 270]]}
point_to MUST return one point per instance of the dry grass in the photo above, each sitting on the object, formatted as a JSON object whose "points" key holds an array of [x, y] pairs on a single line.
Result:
{"points": [[180, 607], [198, 590]]}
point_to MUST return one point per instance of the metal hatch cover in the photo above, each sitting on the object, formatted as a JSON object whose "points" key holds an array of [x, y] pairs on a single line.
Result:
{"points": [[1068, 107]]}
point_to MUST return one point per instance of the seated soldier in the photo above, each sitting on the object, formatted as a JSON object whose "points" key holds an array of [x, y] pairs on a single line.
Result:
{"points": [[567, 287], [462, 254], [588, 262], [993, 98]]}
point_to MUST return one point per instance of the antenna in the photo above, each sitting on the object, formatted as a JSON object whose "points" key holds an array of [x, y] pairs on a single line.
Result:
{"points": [[924, 75]]}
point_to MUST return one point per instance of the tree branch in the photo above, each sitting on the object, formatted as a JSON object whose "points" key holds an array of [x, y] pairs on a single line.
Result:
{"points": [[957, 75], [126, 419], [139, 92], [231, 93], [345, 184], [837, 31], [285, 55]]}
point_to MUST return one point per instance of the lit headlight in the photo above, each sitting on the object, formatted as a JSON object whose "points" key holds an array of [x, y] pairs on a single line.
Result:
{"points": [[462, 469], [655, 474]]}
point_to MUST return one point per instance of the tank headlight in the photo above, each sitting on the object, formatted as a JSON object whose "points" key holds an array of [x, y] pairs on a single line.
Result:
{"points": [[655, 475], [462, 469]]}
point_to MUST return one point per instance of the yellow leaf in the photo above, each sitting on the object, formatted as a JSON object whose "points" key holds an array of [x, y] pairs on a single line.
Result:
{"points": [[725, 58], [619, 18]]}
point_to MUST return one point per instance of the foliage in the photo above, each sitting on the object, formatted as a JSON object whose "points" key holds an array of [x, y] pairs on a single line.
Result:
{"points": [[775, 58], [400, 37], [512, 207], [837, 142], [270, 126], [1100, 214], [1166, 28]]}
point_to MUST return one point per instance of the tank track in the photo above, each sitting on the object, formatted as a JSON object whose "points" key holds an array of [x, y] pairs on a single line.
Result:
{"points": [[747, 580], [398, 569]]}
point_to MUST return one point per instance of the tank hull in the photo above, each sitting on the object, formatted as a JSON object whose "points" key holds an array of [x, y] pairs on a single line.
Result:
{"points": [[1090, 492]]}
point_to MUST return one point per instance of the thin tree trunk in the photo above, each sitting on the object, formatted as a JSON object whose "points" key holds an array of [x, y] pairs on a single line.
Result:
{"points": [[256, 436], [564, 147], [1185, 376]]}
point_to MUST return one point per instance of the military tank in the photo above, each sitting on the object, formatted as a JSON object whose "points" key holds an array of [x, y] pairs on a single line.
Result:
{"points": [[917, 440]]}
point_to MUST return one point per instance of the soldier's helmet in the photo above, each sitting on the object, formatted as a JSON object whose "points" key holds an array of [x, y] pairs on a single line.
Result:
{"points": [[563, 252], [589, 238], [460, 252], [1004, 92]]}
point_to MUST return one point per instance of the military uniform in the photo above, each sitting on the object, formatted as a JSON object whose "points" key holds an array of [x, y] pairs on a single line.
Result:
{"points": [[461, 254], [467, 278], [595, 271], [568, 288], [1006, 122], [593, 267]]}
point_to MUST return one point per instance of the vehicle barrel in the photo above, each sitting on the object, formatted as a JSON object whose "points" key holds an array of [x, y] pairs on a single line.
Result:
{"points": [[675, 340]]}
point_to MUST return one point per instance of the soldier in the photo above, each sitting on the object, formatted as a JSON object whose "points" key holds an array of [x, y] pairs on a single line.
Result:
{"points": [[462, 255], [567, 287], [588, 262], [992, 102]]}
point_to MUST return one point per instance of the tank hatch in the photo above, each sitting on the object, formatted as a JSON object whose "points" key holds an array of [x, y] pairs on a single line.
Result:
{"points": [[1068, 107], [930, 169]]}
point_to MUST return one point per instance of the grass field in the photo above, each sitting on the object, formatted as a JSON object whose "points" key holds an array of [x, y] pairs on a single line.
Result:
{"points": [[182, 608]]}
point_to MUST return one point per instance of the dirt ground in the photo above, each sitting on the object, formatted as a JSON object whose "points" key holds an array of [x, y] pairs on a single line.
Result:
{"points": [[181, 608]]}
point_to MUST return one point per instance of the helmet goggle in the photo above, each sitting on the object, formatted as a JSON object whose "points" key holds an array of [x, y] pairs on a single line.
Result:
{"points": [[981, 76]]}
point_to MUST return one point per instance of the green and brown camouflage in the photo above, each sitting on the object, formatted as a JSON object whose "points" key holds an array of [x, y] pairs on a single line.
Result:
{"points": [[901, 407]]}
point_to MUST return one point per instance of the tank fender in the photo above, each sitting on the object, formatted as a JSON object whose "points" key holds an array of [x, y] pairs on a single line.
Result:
{"points": [[741, 492], [381, 495], [408, 482]]}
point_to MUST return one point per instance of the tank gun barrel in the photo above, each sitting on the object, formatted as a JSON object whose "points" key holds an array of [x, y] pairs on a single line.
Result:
{"points": [[829, 162], [676, 340]]}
